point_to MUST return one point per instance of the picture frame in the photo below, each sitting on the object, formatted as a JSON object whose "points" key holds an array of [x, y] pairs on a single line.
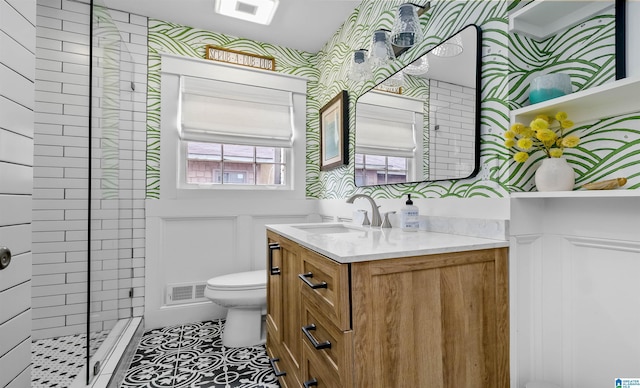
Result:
{"points": [[334, 132]]}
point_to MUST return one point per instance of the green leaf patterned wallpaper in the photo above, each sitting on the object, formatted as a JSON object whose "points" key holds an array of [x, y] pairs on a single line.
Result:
{"points": [[509, 63]]}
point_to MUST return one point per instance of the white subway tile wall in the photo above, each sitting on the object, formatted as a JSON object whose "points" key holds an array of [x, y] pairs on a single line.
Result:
{"points": [[61, 150], [17, 64], [452, 109]]}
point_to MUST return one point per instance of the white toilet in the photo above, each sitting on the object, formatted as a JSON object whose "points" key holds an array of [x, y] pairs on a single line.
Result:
{"points": [[244, 294]]}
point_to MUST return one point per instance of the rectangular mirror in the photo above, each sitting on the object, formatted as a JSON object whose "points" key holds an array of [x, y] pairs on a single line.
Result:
{"points": [[427, 129]]}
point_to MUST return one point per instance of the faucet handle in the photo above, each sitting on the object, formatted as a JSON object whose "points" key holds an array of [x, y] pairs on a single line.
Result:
{"points": [[386, 223], [365, 219]]}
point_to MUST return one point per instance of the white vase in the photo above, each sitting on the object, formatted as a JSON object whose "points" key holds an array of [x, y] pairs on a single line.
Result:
{"points": [[555, 174]]}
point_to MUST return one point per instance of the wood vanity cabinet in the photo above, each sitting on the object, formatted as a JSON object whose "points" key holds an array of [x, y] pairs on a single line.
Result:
{"points": [[436, 320]]}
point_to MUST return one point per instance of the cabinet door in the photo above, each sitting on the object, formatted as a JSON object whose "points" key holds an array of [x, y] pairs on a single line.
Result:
{"points": [[291, 318], [436, 321], [274, 291], [283, 307]]}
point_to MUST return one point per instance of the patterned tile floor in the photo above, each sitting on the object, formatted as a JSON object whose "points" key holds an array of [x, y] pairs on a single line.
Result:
{"points": [[57, 361], [193, 356]]}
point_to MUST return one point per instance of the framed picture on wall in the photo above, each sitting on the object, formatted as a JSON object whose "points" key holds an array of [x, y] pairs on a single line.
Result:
{"points": [[334, 132]]}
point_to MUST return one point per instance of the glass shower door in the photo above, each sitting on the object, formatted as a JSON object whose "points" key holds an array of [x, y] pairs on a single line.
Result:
{"points": [[111, 187]]}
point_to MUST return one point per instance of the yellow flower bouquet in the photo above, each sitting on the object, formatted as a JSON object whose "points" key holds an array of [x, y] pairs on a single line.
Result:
{"points": [[543, 133]]}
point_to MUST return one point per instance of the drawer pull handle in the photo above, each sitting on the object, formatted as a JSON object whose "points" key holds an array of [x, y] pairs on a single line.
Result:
{"points": [[272, 269], [310, 383], [305, 276], [314, 342], [278, 373]]}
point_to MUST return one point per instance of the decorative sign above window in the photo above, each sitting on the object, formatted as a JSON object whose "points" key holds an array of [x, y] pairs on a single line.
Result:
{"points": [[390, 89], [221, 54]]}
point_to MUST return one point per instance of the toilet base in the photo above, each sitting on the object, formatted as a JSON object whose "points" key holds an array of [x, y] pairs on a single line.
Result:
{"points": [[243, 328]]}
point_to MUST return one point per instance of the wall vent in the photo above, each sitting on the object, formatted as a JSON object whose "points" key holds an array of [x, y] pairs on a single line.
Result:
{"points": [[185, 293], [200, 291]]}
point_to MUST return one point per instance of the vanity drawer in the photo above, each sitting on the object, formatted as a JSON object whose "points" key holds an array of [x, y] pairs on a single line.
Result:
{"points": [[316, 372], [326, 283], [329, 346]]}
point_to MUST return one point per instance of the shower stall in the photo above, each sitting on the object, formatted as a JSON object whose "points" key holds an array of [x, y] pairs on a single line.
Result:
{"points": [[89, 185]]}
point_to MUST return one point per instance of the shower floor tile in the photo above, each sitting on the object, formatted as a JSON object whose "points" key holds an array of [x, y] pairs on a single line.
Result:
{"points": [[192, 356], [57, 361]]}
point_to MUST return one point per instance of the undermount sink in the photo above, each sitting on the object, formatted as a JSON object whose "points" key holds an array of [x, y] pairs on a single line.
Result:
{"points": [[327, 228]]}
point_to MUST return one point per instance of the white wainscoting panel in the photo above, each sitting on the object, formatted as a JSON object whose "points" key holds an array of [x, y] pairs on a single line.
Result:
{"points": [[574, 292], [191, 241]]}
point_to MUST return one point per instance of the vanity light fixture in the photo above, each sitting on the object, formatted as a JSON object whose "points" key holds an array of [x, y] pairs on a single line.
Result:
{"points": [[360, 69], [450, 48], [406, 30], [381, 53], [256, 11], [386, 45]]}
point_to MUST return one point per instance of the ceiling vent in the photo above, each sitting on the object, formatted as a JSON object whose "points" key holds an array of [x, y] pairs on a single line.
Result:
{"points": [[255, 11]]}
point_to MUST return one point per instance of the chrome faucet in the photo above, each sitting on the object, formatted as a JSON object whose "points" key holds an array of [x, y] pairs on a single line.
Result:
{"points": [[376, 220]]}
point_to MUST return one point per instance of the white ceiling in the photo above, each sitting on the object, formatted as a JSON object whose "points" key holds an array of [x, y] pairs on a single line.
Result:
{"points": [[299, 24]]}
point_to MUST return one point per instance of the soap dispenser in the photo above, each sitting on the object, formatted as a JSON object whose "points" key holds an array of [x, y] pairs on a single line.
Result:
{"points": [[409, 216]]}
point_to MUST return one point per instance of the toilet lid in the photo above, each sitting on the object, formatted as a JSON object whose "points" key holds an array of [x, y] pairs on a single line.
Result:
{"points": [[250, 280]]}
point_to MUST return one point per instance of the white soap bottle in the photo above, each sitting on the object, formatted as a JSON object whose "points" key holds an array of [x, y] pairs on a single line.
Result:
{"points": [[409, 216]]}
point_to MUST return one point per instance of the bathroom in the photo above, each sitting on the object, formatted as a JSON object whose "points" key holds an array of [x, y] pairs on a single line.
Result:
{"points": [[176, 238]]}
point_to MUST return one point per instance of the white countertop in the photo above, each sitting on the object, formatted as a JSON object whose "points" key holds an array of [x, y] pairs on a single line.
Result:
{"points": [[365, 244]]}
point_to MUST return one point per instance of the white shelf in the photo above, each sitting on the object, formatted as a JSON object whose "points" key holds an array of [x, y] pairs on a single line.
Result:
{"points": [[620, 193], [542, 18], [611, 99]]}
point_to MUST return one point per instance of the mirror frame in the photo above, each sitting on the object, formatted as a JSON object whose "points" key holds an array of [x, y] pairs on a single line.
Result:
{"points": [[621, 38], [478, 103]]}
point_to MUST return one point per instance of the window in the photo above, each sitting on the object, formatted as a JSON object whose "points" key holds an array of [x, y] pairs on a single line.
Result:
{"points": [[234, 134], [229, 127], [380, 169], [235, 164], [388, 143]]}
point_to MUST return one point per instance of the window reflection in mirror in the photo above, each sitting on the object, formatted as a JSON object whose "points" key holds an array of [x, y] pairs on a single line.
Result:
{"points": [[428, 128]]}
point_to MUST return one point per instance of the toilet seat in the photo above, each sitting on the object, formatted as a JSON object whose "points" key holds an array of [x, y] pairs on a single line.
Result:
{"points": [[241, 281]]}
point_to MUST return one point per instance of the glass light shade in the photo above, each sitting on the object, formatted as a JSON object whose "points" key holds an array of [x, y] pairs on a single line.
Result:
{"points": [[406, 29], [395, 81], [381, 53], [450, 48], [418, 67], [360, 67]]}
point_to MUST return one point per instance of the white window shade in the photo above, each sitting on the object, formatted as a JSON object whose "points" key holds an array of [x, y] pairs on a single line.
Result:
{"points": [[227, 112], [384, 130]]}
